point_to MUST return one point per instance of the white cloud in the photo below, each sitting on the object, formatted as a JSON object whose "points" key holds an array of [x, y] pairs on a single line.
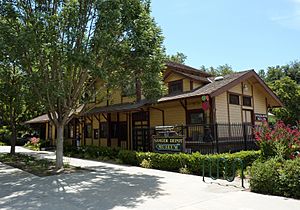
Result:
{"points": [[291, 18]]}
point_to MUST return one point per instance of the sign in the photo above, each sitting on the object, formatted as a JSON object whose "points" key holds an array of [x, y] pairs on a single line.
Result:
{"points": [[261, 117], [168, 144]]}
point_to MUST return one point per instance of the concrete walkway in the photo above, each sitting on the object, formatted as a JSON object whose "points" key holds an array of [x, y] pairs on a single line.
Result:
{"points": [[108, 186]]}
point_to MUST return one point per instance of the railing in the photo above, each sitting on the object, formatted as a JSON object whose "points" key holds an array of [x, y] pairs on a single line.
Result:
{"points": [[218, 138], [225, 167], [205, 138]]}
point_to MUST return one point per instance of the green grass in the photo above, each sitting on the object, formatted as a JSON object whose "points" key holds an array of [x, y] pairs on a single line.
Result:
{"points": [[38, 167]]}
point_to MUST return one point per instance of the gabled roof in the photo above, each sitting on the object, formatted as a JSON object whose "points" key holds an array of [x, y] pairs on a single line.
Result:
{"points": [[186, 69], [192, 76], [218, 87]]}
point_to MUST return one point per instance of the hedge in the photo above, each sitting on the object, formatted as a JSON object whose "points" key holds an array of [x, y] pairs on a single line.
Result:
{"points": [[169, 162], [194, 161], [276, 177]]}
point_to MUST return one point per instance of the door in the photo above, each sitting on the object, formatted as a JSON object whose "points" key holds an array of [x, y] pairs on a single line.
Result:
{"points": [[248, 128], [141, 131]]}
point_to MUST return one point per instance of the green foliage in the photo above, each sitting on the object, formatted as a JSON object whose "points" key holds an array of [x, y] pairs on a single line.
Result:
{"points": [[281, 141], [128, 157], [221, 70], [276, 177], [178, 58], [285, 82], [191, 163], [92, 152], [146, 163], [63, 47], [2, 144], [184, 170], [289, 92], [34, 144]]}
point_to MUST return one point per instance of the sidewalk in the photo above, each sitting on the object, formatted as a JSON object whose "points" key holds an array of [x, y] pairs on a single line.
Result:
{"points": [[109, 186]]}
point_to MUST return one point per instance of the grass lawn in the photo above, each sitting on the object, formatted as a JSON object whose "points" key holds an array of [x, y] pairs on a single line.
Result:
{"points": [[38, 167]]}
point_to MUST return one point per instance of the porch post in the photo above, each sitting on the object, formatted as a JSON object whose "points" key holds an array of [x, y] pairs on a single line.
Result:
{"points": [[109, 129]]}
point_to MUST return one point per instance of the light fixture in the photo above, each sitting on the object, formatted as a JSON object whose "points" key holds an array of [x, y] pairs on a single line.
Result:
{"points": [[245, 87]]}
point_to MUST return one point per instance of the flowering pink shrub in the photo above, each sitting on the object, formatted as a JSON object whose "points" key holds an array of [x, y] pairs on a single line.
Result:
{"points": [[281, 141], [34, 143], [34, 140]]}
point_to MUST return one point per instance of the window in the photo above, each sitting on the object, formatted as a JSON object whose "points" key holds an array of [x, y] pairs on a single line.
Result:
{"points": [[103, 130], [114, 130], [96, 133], [247, 101], [234, 99], [140, 116], [175, 87], [71, 131], [196, 116], [49, 131], [88, 130]]}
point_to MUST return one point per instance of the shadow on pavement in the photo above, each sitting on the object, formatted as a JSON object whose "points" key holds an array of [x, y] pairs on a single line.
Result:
{"points": [[101, 188]]}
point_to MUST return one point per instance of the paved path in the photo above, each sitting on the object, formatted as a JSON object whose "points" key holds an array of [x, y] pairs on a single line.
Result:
{"points": [[109, 186]]}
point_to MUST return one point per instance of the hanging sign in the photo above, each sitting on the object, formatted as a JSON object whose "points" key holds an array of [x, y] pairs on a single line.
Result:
{"points": [[261, 117], [168, 144]]}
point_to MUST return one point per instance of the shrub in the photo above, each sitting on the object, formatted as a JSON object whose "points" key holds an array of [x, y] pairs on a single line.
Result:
{"points": [[92, 152], [146, 163], [2, 144], [281, 141], [128, 157], [184, 170], [276, 177], [264, 177], [34, 144], [289, 179], [181, 162]]}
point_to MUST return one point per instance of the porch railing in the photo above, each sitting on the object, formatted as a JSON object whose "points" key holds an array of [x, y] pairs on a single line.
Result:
{"points": [[205, 138]]}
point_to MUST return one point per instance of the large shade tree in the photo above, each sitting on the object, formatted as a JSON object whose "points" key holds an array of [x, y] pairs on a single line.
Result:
{"points": [[64, 46]]}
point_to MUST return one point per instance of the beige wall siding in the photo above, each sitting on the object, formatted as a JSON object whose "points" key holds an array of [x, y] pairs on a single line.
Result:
{"points": [[221, 108], [88, 141], [236, 89], [156, 118], [186, 85], [259, 101], [173, 77], [197, 84], [103, 142], [175, 115], [247, 90], [114, 142], [235, 113]]}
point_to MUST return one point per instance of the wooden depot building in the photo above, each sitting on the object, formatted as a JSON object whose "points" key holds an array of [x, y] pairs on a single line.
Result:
{"points": [[214, 114]]}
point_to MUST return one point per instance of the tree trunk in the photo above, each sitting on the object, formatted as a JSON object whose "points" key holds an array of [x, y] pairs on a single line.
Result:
{"points": [[138, 89], [13, 139], [59, 146]]}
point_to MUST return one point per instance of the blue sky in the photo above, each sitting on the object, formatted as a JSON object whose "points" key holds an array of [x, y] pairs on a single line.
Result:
{"points": [[246, 34]]}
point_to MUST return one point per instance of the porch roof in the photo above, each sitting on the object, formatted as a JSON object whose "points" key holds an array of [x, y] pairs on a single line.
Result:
{"points": [[40, 119], [118, 107], [44, 118]]}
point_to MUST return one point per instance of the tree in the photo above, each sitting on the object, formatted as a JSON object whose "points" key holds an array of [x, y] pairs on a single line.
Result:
{"points": [[178, 58], [221, 70], [285, 82], [65, 46], [289, 93], [11, 97]]}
